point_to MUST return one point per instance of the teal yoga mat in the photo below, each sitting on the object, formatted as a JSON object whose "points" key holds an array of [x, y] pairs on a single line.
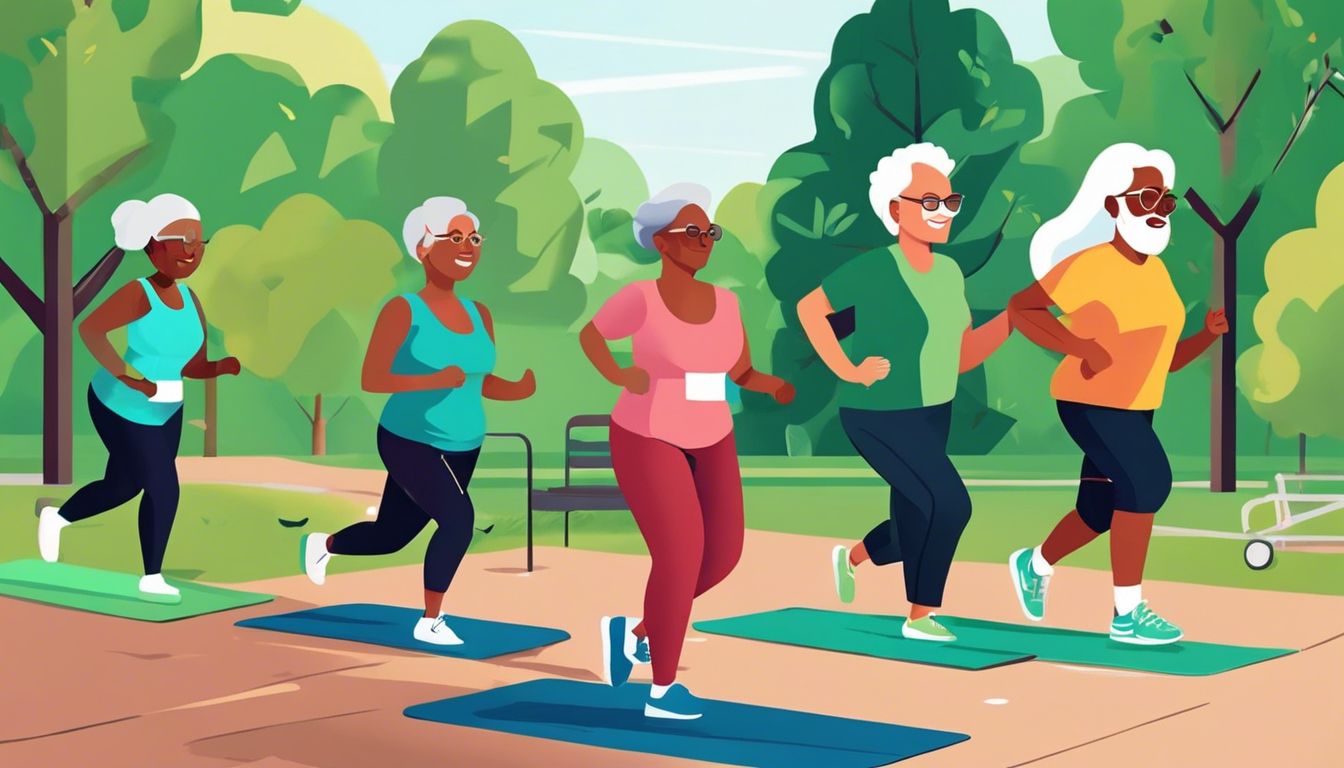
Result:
{"points": [[113, 594], [735, 734], [881, 636]]}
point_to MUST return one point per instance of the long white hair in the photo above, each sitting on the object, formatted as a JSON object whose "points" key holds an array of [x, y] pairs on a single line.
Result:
{"points": [[1085, 222]]}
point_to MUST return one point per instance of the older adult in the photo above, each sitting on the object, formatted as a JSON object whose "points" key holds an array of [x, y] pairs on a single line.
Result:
{"points": [[434, 352], [912, 338], [672, 445], [135, 401], [1098, 263]]}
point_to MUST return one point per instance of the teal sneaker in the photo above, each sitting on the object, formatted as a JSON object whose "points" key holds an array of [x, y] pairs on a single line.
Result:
{"points": [[844, 574], [1143, 627], [676, 704], [926, 628], [1029, 585]]}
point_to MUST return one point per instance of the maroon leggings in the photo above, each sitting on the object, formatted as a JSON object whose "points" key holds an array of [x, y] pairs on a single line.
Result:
{"points": [[688, 505]]}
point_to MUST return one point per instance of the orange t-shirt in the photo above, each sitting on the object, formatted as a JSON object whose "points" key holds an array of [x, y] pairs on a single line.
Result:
{"points": [[1132, 310]]}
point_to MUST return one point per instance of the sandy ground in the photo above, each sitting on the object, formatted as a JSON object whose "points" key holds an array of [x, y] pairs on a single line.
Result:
{"points": [[105, 691]]}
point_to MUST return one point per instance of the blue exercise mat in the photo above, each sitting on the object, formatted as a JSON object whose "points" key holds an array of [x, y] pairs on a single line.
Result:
{"points": [[391, 626], [735, 734]]}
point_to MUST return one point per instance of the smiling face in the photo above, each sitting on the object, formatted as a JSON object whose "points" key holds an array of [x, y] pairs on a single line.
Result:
{"points": [[1142, 214], [448, 260], [174, 256], [916, 222], [688, 253]]}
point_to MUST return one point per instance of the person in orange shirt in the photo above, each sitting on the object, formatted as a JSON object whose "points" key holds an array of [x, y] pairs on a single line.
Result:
{"points": [[1120, 333]]}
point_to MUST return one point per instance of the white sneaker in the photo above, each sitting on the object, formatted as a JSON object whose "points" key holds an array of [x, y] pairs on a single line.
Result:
{"points": [[153, 584], [49, 525], [315, 557], [435, 631]]}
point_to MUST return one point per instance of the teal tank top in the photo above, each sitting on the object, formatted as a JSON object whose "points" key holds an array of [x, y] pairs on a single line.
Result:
{"points": [[158, 345], [451, 420]]}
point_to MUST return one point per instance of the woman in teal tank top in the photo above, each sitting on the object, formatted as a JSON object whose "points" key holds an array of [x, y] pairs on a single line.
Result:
{"points": [[136, 401], [434, 353]]}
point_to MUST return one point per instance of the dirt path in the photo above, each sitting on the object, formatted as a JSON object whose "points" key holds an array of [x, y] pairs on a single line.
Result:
{"points": [[204, 693]]}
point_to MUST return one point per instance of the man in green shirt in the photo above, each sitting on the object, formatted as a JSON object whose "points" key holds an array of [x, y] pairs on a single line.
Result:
{"points": [[912, 338]]}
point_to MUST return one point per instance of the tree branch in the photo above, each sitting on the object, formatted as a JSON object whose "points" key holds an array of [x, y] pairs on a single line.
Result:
{"points": [[8, 141], [305, 410], [333, 416], [877, 102], [1214, 117], [1243, 214], [1306, 114], [1205, 212], [96, 183], [96, 278], [996, 239], [28, 301], [914, 48], [1244, 96]]}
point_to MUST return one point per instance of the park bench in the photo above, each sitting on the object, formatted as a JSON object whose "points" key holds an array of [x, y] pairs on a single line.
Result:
{"points": [[572, 496]]}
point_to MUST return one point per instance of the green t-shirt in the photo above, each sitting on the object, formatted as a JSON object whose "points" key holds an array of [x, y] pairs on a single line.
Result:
{"points": [[915, 320]]}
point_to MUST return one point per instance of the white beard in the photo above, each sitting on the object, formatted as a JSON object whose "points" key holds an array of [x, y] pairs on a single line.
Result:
{"points": [[1140, 236]]}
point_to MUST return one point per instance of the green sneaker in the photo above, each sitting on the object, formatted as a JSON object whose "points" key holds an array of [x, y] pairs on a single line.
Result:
{"points": [[844, 574], [926, 629], [1143, 627], [1029, 585]]}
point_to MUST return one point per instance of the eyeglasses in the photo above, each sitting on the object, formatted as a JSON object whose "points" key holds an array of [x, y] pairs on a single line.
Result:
{"points": [[1154, 200], [457, 238], [186, 240], [931, 202], [715, 232]]}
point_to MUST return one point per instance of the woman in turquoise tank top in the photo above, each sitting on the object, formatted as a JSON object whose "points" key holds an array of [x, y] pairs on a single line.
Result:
{"points": [[136, 401], [434, 353]]}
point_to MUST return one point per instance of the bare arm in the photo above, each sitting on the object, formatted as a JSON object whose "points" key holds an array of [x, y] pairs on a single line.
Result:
{"points": [[752, 380], [201, 368], [1191, 347], [1029, 312], [599, 354], [122, 308], [977, 344], [496, 388], [812, 312], [389, 333]]}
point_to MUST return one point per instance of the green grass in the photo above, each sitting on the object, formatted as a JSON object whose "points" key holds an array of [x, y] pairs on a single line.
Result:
{"points": [[230, 534]]}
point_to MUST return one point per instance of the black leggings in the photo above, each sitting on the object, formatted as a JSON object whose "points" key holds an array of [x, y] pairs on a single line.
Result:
{"points": [[139, 458], [929, 503], [423, 483], [1124, 465]]}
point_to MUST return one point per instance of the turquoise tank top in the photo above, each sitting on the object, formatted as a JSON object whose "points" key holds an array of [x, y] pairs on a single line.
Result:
{"points": [[451, 420], [158, 345]]}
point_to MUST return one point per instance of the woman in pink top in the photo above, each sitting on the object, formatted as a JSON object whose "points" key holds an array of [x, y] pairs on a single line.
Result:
{"points": [[672, 444]]}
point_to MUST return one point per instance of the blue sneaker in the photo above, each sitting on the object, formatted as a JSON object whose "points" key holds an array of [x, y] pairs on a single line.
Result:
{"points": [[642, 655], [676, 704], [616, 665]]}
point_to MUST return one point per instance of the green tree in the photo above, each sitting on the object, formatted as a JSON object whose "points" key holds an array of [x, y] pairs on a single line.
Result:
{"points": [[1293, 377], [295, 299], [80, 88], [473, 120], [612, 186], [905, 72], [1227, 88]]}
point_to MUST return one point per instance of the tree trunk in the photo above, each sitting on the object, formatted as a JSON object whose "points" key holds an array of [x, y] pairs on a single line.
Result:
{"points": [[1301, 453], [1223, 389], [211, 418], [319, 428], [57, 361]]}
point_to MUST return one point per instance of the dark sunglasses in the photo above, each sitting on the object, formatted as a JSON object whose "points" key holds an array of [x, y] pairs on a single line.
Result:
{"points": [[188, 241], [715, 232], [1154, 200], [931, 202]]}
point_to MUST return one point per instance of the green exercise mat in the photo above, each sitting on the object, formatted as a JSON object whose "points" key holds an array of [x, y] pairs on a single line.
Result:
{"points": [[113, 594], [878, 636], [881, 636]]}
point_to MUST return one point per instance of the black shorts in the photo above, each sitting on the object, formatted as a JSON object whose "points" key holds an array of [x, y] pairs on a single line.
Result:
{"points": [[1124, 465]]}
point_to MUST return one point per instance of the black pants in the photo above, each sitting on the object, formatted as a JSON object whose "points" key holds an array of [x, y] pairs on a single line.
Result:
{"points": [[423, 484], [929, 503], [139, 458], [1124, 465]]}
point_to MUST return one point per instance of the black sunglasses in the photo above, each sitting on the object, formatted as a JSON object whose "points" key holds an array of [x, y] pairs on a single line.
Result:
{"points": [[931, 202], [715, 232]]}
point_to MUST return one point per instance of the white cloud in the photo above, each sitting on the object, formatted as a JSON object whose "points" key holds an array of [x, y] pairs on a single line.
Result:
{"points": [[664, 81], [663, 43]]}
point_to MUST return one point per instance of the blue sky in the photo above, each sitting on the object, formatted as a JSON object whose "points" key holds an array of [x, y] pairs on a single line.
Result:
{"points": [[697, 90]]}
